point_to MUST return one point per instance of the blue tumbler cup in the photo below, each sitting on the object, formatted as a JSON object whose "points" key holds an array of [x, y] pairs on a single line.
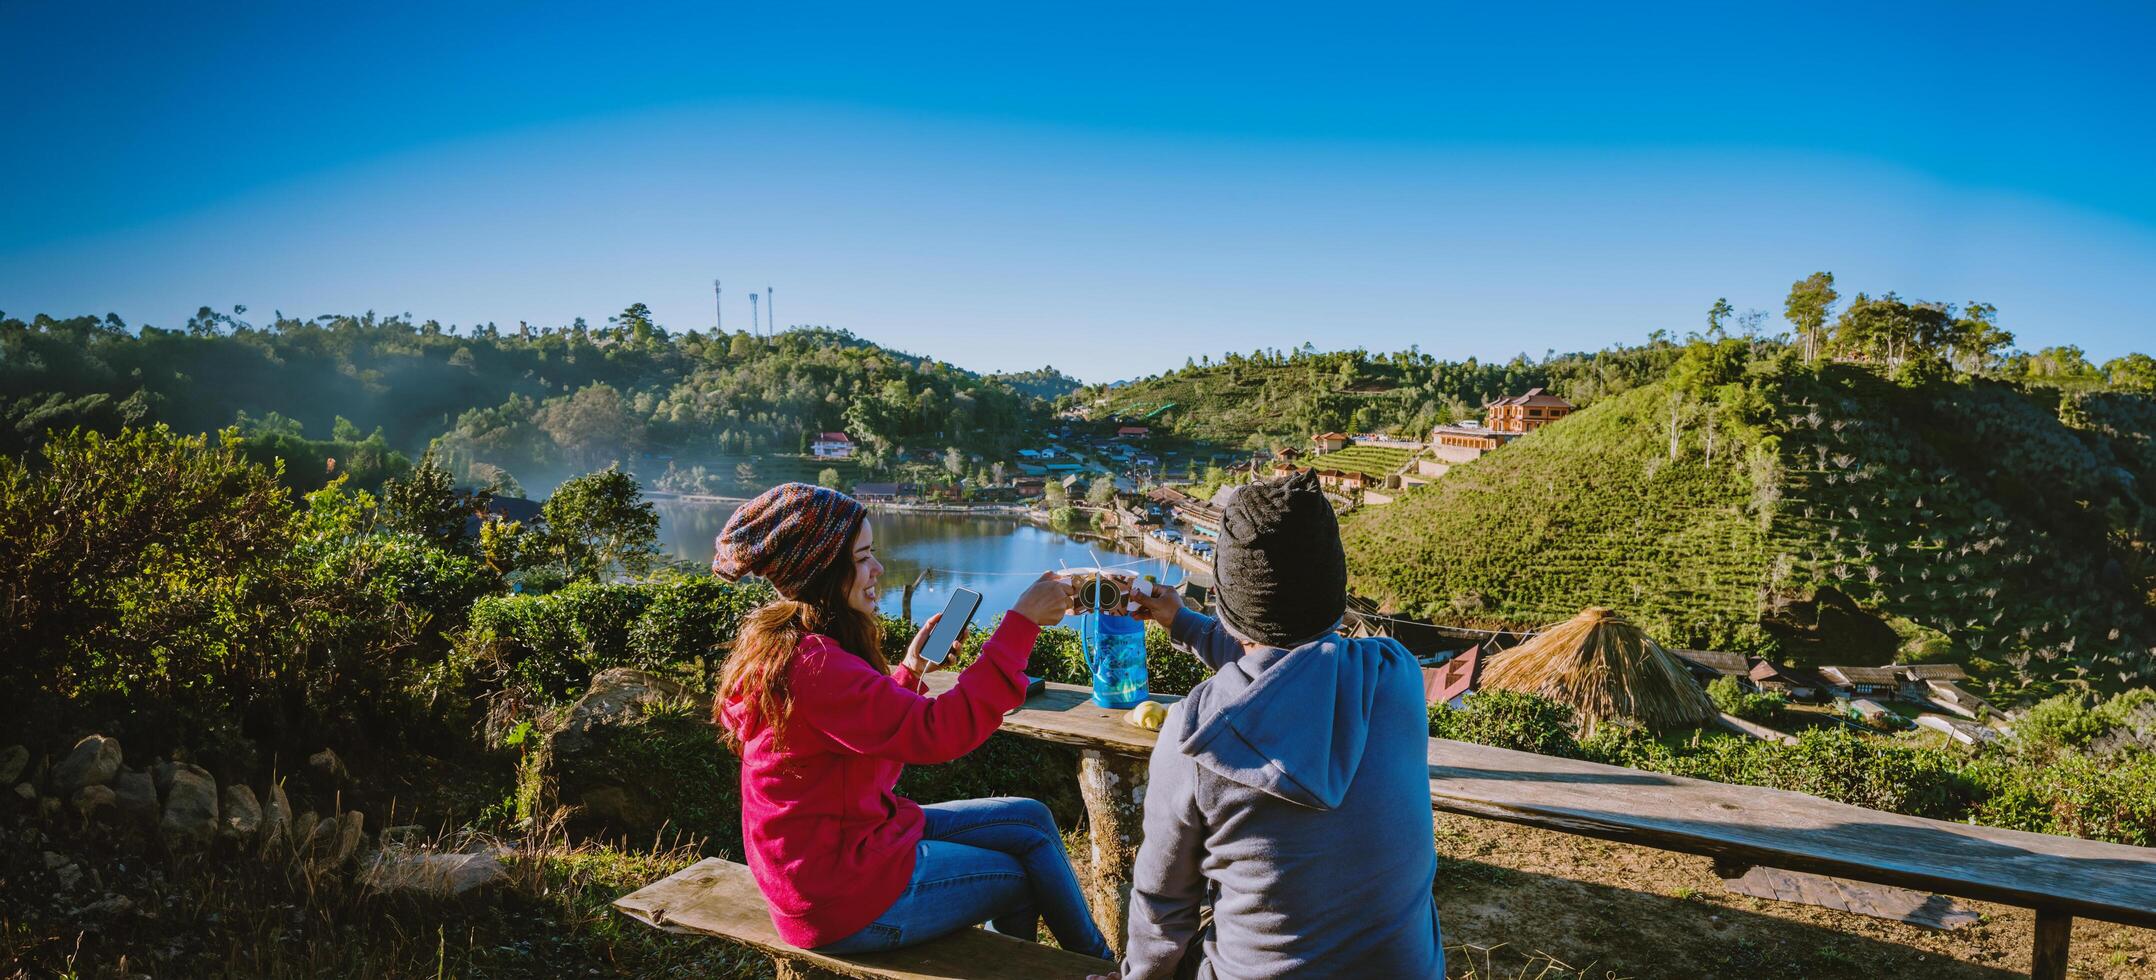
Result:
{"points": [[1117, 649]]}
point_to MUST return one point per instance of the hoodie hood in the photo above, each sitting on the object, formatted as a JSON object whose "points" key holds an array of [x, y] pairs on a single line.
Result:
{"points": [[1291, 723]]}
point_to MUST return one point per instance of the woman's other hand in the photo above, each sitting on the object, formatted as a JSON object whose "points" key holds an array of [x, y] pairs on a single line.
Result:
{"points": [[1045, 601], [922, 666], [1159, 606]]}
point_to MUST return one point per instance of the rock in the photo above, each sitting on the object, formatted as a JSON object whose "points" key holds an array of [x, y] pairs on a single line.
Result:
{"points": [[276, 831], [137, 797], [54, 861], [190, 819], [93, 762], [320, 839], [437, 875], [48, 807], [405, 835], [13, 760], [598, 761], [26, 792], [241, 817], [164, 772], [339, 843], [303, 828], [69, 875], [93, 801], [326, 764]]}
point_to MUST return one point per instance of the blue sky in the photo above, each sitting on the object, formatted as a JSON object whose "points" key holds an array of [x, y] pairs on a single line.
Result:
{"points": [[1108, 188]]}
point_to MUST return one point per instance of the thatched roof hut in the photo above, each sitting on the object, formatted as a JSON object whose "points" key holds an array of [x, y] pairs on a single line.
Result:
{"points": [[1604, 668]]}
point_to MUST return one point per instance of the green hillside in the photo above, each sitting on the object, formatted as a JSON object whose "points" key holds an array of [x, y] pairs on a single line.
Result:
{"points": [[1273, 398], [1975, 520], [1366, 460]]}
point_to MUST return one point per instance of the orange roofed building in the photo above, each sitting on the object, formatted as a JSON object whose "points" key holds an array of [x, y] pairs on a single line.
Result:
{"points": [[1526, 413]]}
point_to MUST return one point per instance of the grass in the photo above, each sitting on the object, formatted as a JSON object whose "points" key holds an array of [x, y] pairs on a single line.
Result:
{"points": [[232, 916], [1366, 460], [1979, 522]]}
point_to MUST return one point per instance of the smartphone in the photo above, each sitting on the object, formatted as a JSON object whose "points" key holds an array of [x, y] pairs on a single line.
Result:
{"points": [[956, 615]]}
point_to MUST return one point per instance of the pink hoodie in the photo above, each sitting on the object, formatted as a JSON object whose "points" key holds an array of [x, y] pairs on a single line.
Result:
{"points": [[830, 844]]}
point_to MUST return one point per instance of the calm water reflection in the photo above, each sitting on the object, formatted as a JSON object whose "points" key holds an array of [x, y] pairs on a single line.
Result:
{"points": [[994, 556]]}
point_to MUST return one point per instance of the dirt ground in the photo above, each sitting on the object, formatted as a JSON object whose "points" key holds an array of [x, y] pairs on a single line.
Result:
{"points": [[1528, 897]]}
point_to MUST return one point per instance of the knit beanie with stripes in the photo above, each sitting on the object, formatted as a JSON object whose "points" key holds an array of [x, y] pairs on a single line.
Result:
{"points": [[786, 535]]}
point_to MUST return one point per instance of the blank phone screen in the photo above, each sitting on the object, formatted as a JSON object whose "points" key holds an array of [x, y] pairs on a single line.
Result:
{"points": [[956, 614]]}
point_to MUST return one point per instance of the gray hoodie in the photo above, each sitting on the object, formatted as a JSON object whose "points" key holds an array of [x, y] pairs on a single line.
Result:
{"points": [[1291, 793]]}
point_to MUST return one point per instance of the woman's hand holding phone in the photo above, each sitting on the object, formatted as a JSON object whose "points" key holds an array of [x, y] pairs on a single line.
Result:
{"points": [[922, 666]]}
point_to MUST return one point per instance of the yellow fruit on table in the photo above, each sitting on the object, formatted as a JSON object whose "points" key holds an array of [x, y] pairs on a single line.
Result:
{"points": [[1147, 715]]}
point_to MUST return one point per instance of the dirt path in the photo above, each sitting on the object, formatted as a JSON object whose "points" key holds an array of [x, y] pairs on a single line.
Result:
{"points": [[1616, 910]]}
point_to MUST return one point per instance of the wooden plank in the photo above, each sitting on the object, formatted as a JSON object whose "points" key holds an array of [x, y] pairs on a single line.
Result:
{"points": [[1755, 826], [1746, 825], [1065, 714], [1878, 901], [2054, 941], [719, 898]]}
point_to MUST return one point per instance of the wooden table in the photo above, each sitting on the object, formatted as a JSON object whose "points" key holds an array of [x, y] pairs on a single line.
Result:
{"points": [[1738, 826]]}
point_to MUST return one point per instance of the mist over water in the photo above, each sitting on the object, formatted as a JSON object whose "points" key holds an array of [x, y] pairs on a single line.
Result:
{"points": [[994, 556]]}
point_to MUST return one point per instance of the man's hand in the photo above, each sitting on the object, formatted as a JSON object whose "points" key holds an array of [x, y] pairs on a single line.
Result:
{"points": [[1160, 607], [1045, 601], [921, 666]]}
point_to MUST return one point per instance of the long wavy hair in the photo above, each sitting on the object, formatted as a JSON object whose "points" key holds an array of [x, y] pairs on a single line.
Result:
{"points": [[756, 673]]}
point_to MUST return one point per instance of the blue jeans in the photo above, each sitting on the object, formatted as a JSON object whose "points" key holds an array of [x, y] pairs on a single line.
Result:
{"points": [[998, 861]]}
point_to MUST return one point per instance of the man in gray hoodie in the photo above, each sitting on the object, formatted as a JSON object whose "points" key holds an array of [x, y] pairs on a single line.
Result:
{"points": [[1290, 791]]}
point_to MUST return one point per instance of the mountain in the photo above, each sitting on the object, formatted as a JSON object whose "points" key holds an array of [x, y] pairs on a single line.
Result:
{"points": [[1839, 516], [537, 402], [1045, 383], [1269, 398]]}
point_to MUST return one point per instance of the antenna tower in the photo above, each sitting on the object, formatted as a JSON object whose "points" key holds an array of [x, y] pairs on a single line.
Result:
{"points": [[754, 326], [771, 310], [718, 307]]}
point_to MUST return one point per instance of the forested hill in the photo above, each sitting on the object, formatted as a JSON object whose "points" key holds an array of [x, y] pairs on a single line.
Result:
{"points": [[536, 403], [1269, 398], [1996, 524]]}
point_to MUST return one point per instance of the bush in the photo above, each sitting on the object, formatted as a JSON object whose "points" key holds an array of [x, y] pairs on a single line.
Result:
{"points": [[1508, 720], [555, 643], [168, 581], [1732, 698]]}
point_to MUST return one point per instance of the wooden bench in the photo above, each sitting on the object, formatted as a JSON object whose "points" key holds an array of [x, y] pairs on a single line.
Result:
{"points": [[1738, 826], [719, 898]]}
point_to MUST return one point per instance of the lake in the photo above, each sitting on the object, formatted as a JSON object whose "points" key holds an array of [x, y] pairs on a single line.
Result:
{"points": [[994, 556]]}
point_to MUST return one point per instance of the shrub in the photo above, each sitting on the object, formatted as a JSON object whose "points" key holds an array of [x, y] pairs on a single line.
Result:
{"points": [[1508, 720], [1732, 698], [555, 643]]}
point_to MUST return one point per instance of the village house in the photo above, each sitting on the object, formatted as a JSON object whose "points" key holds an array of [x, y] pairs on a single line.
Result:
{"points": [[873, 493], [1330, 442], [1789, 682], [832, 445], [1448, 683], [1850, 683], [1525, 413], [1709, 665], [1132, 432]]}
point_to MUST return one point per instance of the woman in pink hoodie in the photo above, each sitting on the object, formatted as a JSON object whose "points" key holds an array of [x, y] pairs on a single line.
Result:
{"points": [[824, 725]]}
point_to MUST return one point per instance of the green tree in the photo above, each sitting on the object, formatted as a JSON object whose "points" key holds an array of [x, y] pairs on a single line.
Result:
{"points": [[745, 474], [1053, 496], [597, 524], [1811, 301], [426, 502], [828, 477], [2133, 372], [1101, 492], [591, 426]]}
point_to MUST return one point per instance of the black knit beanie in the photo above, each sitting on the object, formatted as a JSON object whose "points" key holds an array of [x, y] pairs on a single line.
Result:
{"points": [[1279, 573]]}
